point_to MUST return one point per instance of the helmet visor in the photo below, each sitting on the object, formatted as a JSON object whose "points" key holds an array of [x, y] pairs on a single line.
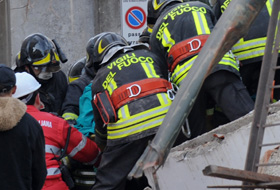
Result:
{"points": [[49, 68], [51, 58], [53, 68]]}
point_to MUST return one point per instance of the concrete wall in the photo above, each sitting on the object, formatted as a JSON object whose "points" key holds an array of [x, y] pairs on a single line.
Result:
{"points": [[5, 38], [71, 22], [107, 14]]}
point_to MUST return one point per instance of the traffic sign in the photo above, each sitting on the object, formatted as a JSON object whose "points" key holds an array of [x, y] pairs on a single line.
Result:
{"points": [[133, 19]]}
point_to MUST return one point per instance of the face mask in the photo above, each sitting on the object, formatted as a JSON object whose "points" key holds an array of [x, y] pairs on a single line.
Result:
{"points": [[45, 75]]}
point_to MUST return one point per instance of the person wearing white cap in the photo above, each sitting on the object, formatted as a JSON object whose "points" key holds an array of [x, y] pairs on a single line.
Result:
{"points": [[59, 135]]}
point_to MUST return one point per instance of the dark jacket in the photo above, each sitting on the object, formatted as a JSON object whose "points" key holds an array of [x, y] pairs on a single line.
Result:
{"points": [[251, 48], [180, 22], [137, 118], [22, 148], [70, 106], [53, 91]]}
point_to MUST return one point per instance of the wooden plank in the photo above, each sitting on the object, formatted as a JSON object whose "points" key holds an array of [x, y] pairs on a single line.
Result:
{"points": [[235, 174], [243, 186]]}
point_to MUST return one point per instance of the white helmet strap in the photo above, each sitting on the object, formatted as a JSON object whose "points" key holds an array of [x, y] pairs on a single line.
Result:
{"points": [[25, 100]]}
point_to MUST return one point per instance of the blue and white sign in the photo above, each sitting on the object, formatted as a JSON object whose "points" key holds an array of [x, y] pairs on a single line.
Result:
{"points": [[133, 19]]}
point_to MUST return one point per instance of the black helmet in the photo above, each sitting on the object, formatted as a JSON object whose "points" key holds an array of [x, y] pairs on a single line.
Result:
{"points": [[104, 43], [89, 49], [76, 70], [39, 51], [155, 8], [145, 36], [17, 59]]}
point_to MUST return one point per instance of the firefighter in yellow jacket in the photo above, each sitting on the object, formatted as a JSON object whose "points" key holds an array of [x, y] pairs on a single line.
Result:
{"points": [[180, 30], [131, 95], [250, 49]]}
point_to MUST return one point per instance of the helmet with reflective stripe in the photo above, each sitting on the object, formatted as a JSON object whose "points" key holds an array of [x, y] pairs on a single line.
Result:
{"points": [[104, 43], [26, 84], [155, 8], [76, 70], [39, 51], [17, 59], [89, 49], [145, 35]]}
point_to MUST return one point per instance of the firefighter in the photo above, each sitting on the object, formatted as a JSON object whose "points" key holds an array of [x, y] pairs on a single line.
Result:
{"points": [[59, 135], [250, 49], [41, 57], [77, 110], [145, 36], [70, 107], [76, 70], [186, 26], [130, 100]]}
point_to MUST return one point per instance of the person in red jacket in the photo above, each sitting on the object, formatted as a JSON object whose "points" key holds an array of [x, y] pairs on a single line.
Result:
{"points": [[56, 131]]}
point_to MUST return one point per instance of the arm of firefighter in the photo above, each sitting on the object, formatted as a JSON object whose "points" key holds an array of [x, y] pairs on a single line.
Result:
{"points": [[100, 129], [70, 106]]}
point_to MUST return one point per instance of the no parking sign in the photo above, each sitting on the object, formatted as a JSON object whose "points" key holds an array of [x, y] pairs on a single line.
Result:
{"points": [[133, 19]]}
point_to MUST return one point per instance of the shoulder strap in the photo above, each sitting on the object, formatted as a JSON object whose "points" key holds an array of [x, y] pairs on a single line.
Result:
{"points": [[66, 145]]}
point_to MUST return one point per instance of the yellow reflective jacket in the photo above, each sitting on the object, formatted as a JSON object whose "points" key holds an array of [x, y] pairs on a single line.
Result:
{"points": [[250, 48], [180, 22], [140, 117]]}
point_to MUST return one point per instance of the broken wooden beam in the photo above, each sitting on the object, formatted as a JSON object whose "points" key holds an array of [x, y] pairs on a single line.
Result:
{"points": [[236, 174]]}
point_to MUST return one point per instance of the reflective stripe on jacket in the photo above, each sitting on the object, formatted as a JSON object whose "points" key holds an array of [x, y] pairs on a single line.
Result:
{"points": [[181, 22], [250, 48], [55, 130], [138, 118]]}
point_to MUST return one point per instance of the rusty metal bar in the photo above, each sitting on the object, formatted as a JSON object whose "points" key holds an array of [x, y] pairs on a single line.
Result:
{"points": [[273, 105], [263, 93], [272, 125], [269, 164], [269, 144], [276, 86], [264, 186]]}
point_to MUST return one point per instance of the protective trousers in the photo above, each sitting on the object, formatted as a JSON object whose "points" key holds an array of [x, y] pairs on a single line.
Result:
{"points": [[228, 92], [250, 74], [116, 163]]}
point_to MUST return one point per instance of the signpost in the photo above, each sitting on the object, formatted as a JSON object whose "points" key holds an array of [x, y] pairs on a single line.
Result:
{"points": [[133, 19]]}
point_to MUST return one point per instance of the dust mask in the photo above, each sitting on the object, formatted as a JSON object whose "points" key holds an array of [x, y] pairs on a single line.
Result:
{"points": [[45, 75]]}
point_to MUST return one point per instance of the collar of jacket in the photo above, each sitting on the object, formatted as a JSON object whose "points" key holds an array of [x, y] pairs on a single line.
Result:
{"points": [[11, 112]]}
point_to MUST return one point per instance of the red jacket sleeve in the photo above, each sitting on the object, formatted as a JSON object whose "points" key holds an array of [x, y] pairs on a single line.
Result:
{"points": [[80, 147]]}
